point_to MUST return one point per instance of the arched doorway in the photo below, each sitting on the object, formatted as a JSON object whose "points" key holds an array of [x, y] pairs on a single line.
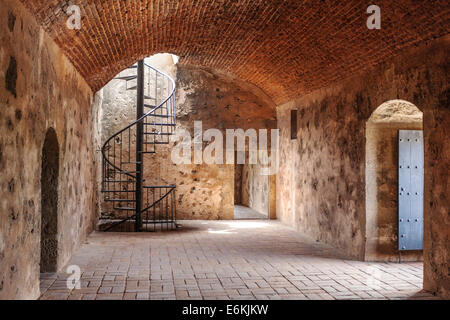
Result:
{"points": [[384, 129], [49, 202]]}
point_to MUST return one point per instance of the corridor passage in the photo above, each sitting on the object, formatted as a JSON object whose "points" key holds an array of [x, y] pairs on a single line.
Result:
{"points": [[227, 260]]}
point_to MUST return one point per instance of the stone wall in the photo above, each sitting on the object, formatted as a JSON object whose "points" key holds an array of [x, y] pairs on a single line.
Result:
{"points": [[321, 182], [204, 191], [40, 89]]}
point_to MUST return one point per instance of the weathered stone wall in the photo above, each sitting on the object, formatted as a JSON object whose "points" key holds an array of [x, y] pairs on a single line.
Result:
{"points": [[435, 101], [39, 89], [204, 191], [321, 182]]}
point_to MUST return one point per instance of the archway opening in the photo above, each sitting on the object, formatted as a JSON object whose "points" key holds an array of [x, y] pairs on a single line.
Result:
{"points": [[49, 203], [251, 190], [384, 201]]}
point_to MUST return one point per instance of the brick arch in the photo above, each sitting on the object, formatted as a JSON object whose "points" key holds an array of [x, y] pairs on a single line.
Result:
{"points": [[286, 47]]}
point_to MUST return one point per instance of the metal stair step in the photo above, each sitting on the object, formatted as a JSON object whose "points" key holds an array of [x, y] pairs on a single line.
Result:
{"points": [[131, 162], [156, 142], [160, 115], [160, 124], [159, 133], [127, 78], [125, 208]]}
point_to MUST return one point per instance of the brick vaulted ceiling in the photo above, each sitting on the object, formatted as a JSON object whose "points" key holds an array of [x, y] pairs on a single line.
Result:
{"points": [[287, 48]]}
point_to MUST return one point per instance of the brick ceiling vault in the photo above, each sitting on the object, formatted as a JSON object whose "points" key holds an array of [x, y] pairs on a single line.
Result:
{"points": [[287, 48]]}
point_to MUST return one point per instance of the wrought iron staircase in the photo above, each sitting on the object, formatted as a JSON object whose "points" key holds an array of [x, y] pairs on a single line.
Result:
{"points": [[136, 205]]}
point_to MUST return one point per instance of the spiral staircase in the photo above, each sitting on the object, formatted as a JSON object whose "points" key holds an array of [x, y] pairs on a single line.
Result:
{"points": [[136, 205]]}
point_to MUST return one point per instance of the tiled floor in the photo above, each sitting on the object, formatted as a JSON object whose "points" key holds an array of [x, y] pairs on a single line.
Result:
{"points": [[227, 260], [245, 213]]}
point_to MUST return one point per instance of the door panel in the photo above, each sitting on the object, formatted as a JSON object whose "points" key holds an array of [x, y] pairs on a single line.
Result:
{"points": [[410, 188]]}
